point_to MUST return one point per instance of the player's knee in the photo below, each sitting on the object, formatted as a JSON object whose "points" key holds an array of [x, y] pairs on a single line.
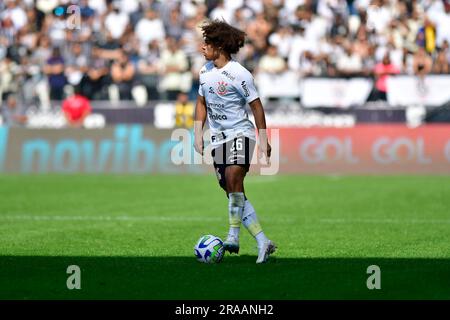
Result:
{"points": [[234, 184], [234, 179]]}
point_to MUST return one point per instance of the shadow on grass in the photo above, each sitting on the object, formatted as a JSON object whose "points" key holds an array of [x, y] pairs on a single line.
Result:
{"points": [[41, 277]]}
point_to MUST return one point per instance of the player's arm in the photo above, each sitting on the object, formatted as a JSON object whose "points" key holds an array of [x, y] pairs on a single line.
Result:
{"points": [[200, 118], [260, 121]]}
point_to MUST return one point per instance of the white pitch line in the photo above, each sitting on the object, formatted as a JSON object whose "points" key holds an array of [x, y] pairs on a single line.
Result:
{"points": [[387, 221], [104, 218], [121, 218], [191, 219]]}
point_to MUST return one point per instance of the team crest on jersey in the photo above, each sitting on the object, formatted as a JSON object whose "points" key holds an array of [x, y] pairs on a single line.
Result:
{"points": [[222, 88]]}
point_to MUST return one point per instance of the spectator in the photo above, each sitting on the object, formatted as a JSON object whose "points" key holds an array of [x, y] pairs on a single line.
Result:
{"points": [[76, 64], [271, 62], [184, 111], [441, 64], [249, 57], [339, 28], [382, 72], [310, 35], [9, 81], [258, 31], [308, 67], [148, 69], [174, 64], [76, 108], [349, 63], [197, 61], [364, 49], [242, 16], [378, 16], [30, 79], [441, 21], [97, 77], [7, 34], [221, 13], [86, 10], [43, 51], [122, 75], [15, 13], [54, 69], [174, 28], [282, 38], [116, 21], [422, 64], [153, 23], [56, 29], [99, 6], [27, 39], [299, 46], [109, 48], [190, 39], [14, 115]]}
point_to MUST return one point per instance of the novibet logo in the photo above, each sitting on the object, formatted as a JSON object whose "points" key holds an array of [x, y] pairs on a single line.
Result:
{"points": [[73, 13]]}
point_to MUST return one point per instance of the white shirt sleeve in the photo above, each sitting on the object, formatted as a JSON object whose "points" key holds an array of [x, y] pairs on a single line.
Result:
{"points": [[245, 85], [200, 90], [200, 87]]}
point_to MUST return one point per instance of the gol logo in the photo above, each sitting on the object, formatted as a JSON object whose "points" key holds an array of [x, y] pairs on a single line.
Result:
{"points": [[398, 150], [328, 149]]}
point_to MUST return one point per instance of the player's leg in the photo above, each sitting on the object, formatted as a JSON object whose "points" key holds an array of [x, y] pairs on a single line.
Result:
{"points": [[251, 222], [249, 217], [232, 162], [234, 180], [240, 209], [219, 155]]}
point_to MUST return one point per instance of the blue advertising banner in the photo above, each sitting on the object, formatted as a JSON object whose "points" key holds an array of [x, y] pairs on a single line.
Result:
{"points": [[121, 149]]}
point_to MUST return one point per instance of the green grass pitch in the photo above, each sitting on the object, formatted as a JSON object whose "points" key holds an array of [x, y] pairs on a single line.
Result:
{"points": [[133, 237]]}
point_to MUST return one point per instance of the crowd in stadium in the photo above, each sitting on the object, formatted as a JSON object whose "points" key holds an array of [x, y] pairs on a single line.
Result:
{"points": [[120, 47]]}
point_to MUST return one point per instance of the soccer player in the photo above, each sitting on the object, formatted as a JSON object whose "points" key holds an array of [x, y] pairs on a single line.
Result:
{"points": [[225, 89]]}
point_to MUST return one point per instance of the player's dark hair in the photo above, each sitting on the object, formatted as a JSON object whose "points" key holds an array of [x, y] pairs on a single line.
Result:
{"points": [[221, 35]]}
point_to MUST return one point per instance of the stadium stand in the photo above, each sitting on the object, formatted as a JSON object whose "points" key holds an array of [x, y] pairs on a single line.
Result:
{"points": [[147, 52]]}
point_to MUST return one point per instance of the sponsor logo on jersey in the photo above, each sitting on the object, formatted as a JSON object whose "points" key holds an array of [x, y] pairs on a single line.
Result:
{"points": [[244, 87], [222, 88], [211, 90], [216, 105], [228, 75], [219, 137], [215, 116]]}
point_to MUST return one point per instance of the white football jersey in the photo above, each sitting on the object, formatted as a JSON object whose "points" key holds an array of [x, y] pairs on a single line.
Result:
{"points": [[227, 91]]}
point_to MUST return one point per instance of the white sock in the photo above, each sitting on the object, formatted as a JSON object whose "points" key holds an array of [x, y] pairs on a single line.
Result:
{"points": [[235, 211], [261, 239], [250, 221], [234, 231]]}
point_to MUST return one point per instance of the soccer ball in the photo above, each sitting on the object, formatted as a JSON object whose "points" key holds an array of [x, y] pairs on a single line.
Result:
{"points": [[209, 249]]}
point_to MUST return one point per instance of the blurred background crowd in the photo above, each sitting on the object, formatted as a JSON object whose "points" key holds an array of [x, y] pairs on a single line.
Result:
{"points": [[150, 50]]}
